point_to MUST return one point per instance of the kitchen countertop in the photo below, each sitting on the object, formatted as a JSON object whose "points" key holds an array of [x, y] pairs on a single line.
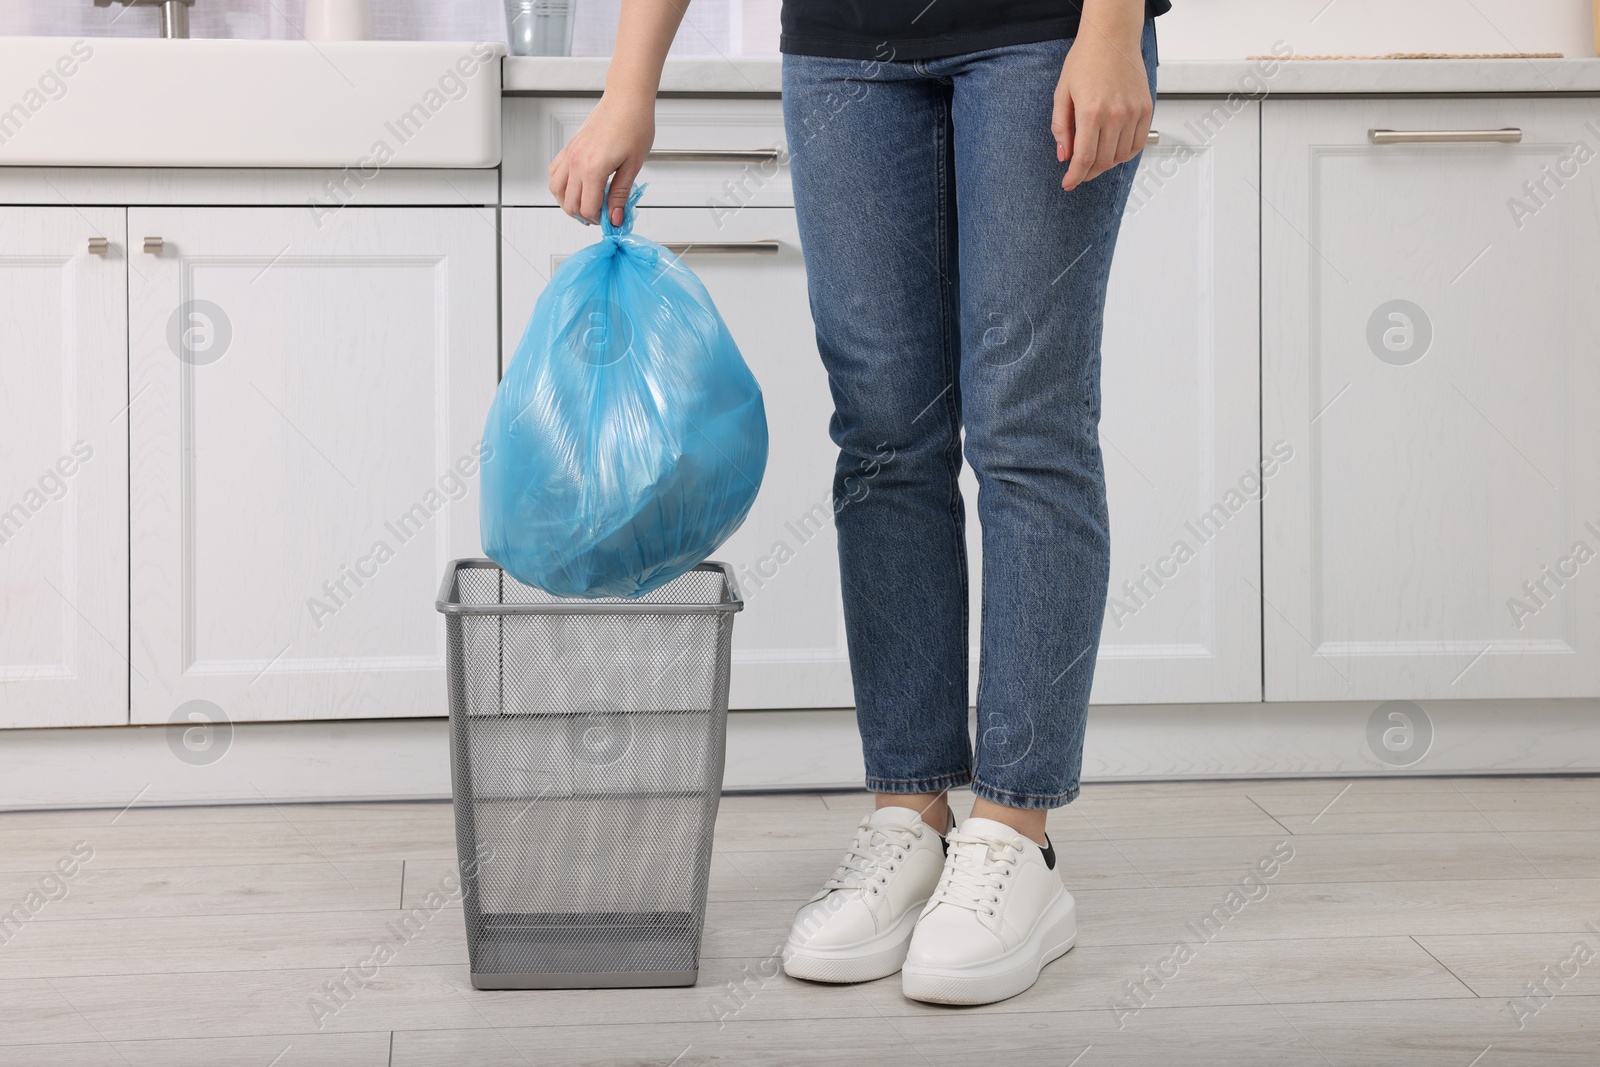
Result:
{"points": [[251, 104], [583, 74]]}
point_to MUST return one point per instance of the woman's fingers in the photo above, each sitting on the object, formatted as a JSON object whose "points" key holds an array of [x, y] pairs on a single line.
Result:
{"points": [[572, 197], [1101, 142], [593, 196], [621, 185], [558, 178], [1061, 122], [1125, 136], [611, 144], [1141, 133], [580, 189], [1108, 155], [1084, 151]]}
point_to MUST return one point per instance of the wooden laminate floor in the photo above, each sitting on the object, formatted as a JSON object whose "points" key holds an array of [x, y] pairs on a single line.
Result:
{"points": [[1428, 922]]}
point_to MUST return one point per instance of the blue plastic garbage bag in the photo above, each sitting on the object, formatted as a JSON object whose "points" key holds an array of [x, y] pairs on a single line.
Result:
{"points": [[628, 438]]}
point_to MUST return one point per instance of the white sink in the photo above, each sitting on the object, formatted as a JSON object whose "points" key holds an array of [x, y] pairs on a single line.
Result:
{"points": [[118, 102]]}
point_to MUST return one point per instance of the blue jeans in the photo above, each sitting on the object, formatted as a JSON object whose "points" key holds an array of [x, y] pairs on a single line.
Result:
{"points": [[955, 286]]}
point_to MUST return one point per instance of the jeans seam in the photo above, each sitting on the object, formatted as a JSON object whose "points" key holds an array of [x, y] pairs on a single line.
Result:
{"points": [[927, 784], [948, 289], [1032, 800]]}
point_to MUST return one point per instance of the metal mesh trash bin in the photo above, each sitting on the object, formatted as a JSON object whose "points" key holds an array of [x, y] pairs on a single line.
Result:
{"points": [[586, 755]]}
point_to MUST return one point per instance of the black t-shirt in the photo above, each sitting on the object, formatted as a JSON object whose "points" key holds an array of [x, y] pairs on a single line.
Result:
{"points": [[920, 29]]}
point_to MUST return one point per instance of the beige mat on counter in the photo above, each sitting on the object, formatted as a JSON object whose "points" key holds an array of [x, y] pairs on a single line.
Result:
{"points": [[1433, 55]]}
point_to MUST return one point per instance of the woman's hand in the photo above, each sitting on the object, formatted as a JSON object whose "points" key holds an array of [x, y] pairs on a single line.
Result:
{"points": [[1102, 112], [613, 140]]}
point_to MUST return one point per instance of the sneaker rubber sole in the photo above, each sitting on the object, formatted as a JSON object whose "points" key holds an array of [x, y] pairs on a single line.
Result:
{"points": [[1003, 976], [866, 961]]}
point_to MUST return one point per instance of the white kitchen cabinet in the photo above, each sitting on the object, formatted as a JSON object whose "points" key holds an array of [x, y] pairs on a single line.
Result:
{"points": [[308, 396], [1179, 430], [1430, 350], [63, 468], [789, 646]]}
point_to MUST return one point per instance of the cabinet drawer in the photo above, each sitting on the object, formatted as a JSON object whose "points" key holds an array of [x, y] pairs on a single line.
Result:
{"points": [[711, 153]]}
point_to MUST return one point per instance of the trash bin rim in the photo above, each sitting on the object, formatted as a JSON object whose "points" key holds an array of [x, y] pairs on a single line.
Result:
{"points": [[447, 605]]}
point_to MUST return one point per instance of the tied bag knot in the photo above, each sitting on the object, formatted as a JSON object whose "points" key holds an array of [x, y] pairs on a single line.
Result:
{"points": [[620, 239]]}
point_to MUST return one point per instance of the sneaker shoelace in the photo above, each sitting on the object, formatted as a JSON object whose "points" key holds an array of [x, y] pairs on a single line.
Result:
{"points": [[875, 852], [977, 870]]}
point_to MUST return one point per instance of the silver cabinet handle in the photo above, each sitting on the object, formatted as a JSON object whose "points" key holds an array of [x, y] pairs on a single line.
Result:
{"points": [[1509, 135], [723, 248], [1153, 137], [714, 155], [98, 246], [152, 246]]}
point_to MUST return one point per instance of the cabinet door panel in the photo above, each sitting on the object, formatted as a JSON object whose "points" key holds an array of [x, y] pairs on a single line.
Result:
{"points": [[789, 648], [1430, 346], [63, 468], [1179, 430], [309, 399], [1179, 427]]}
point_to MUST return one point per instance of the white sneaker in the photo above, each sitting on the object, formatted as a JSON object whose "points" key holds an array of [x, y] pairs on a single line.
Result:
{"points": [[858, 925], [997, 916]]}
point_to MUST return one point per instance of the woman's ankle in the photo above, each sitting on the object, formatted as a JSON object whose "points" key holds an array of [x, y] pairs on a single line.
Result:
{"points": [[934, 808], [1029, 822]]}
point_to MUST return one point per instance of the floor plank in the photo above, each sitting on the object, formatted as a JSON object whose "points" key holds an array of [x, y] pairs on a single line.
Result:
{"points": [[1411, 1033], [1449, 1033], [1466, 1032], [296, 1050], [173, 844], [1134, 818], [1369, 857], [747, 1043], [261, 889], [1342, 909], [1554, 965], [1103, 978], [160, 945], [1521, 812], [799, 804], [246, 1003], [142, 815]]}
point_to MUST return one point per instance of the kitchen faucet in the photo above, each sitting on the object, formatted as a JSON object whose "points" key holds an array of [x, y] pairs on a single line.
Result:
{"points": [[174, 14]]}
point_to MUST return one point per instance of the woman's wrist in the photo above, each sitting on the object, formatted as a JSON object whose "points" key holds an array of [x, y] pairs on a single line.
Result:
{"points": [[644, 36], [1119, 23], [632, 89]]}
